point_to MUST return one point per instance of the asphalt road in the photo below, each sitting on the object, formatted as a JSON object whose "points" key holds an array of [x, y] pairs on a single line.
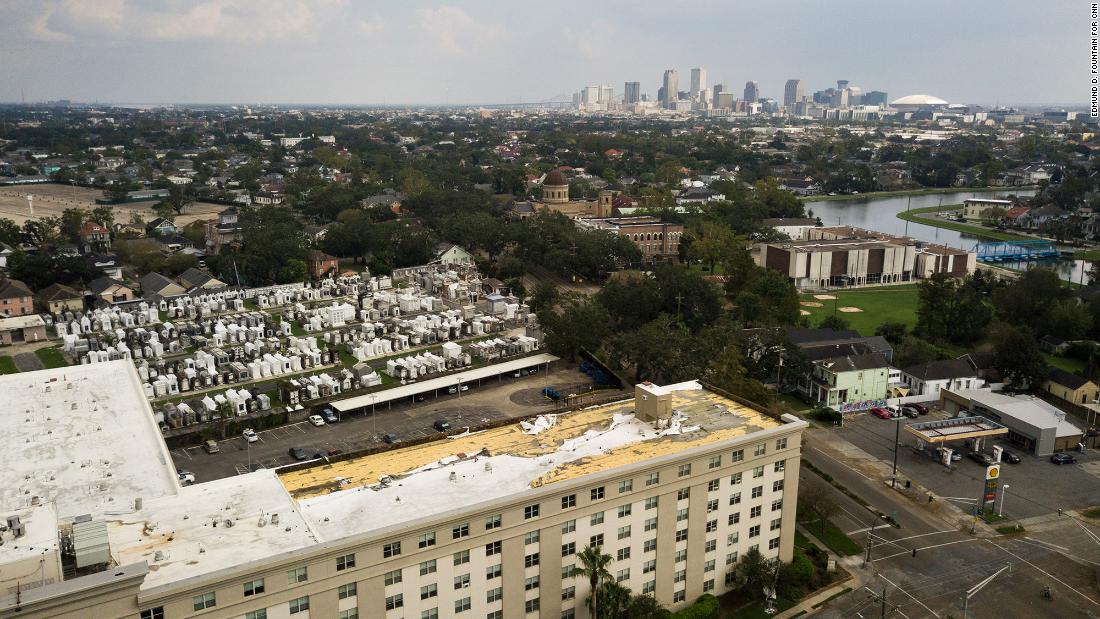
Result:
{"points": [[512, 398], [948, 562]]}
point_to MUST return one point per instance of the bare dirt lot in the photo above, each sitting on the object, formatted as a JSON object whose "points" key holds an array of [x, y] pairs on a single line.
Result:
{"points": [[51, 199]]}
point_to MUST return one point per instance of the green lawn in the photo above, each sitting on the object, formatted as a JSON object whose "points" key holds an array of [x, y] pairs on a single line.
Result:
{"points": [[833, 537], [977, 230], [1087, 254], [51, 357], [796, 404], [1073, 366], [879, 305], [7, 365]]}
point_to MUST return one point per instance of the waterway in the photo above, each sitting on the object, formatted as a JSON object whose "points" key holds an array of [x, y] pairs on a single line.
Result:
{"points": [[880, 214]]}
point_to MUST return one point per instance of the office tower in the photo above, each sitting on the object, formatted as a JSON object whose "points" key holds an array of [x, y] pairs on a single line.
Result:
{"points": [[752, 91], [874, 97], [841, 84], [855, 95], [661, 97], [717, 90], [606, 94], [632, 92], [590, 95], [792, 92], [723, 100], [671, 85], [698, 83], [839, 98]]}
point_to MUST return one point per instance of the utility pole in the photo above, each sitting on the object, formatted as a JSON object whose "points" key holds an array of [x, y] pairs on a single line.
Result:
{"points": [[870, 541], [882, 614], [897, 433]]}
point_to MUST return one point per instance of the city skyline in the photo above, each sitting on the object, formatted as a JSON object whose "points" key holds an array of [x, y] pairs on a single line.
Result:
{"points": [[304, 51]]}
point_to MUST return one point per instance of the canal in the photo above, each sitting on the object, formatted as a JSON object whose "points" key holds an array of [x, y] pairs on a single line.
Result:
{"points": [[880, 214]]}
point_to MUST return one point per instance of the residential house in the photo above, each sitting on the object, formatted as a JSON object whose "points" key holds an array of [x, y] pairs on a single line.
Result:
{"points": [[16, 299], [93, 236], [801, 186], [267, 198], [58, 298], [161, 226], [1053, 345], [321, 264], [928, 379], [111, 290], [984, 366], [847, 380], [198, 280], [452, 254], [698, 196], [157, 285], [223, 231], [1036, 217], [129, 230], [5, 252], [1070, 387], [19, 329]]}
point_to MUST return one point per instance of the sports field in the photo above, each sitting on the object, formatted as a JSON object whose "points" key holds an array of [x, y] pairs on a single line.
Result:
{"points": [[51, 199], [875, 305]]}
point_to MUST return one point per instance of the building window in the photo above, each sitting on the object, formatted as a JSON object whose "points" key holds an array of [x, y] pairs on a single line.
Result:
{"points": [[623, 574], [712, 485], [624, 532], [351, 613], [296, 575], [463, 581], [567, 571], [568, 593], [531, 606], [492, 522], [460, 531], [649, 566], [683, 493], [780, 466], [712, 505], [649, 545], [156, 612], [731, 539], [651, 502], [652, 479], [496, 614], [710, 546], [596, 493], [346, 591], [781, 443], [569, 500], [735, 518], [626, 485], [735, 498], [393, 578], [429, 591], [754, 511], [255, 587], [493, 571], [760, 450], [680, 556], [708, 566], [492, 595], [427, 539], [531, 511], [204, 601], [715, 462], [681, 514], [596, 540], [758, 492], [777, 505], [684, 470], [345, 562], [775, 524], [624, 510], [712, 526], [597, 518], [256, 614], [531, 583], [462, 605], [431, 613], [492, 548], [680, 576], [461, 557], [623, 554], [754, 531], [299, 605], [679, 596], [708, 585], [649, 587], [757, 472], [568, 526], [735, 479], [731, 558], [395, 601], [777, 486], [531, 560], [650, 524], [568, 549], [682, 535], [773, 543], [737, 456], [391, 549], [427, 567]]}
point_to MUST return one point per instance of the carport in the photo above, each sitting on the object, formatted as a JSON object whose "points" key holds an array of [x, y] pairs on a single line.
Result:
{"points": [[959, 429], [433, 385]]}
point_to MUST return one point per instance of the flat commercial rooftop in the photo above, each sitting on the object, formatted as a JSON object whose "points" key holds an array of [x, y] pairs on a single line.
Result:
{"points": [[82, 437], [387, 488], [1025, 409], [443, 382]]}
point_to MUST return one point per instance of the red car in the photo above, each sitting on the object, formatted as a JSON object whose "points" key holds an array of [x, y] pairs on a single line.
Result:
{"points": [[881, 413]]}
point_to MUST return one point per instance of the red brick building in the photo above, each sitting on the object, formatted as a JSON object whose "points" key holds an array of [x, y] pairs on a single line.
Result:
{"points": [[322, 265], [16, 299], [657, 240]]}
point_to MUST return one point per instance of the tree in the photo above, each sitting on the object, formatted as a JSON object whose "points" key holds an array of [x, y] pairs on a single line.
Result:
{"points": [[834, 322], [574, 325], [646, 607], [893, 332], [544, 296], [116, 192], [1068, 319], [104, 216], [754, 572], [712, 244], [614, 601], [593, 566], [178, 198], [10, 232], [1017, 357]]}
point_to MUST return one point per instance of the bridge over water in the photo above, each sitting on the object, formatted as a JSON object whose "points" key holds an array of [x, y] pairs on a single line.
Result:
{"points": [[1016, 251]]}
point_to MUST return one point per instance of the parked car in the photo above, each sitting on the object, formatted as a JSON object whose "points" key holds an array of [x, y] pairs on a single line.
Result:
{"points": [[186, 477], [329, 415], [334, 452], [910, 413], [250, 435], [980, 458], [452, 390], [317, 420], [297, 453], [441, 425], [533, 371], [419, 397], [1063, 458], [881, 413], [389, 438], [920, 408], [1010, 457], [211, 446]]}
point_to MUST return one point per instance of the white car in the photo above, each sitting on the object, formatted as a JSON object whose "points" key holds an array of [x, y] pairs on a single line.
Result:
{"points": [[186, 477], [316, 420], [250, 435]]}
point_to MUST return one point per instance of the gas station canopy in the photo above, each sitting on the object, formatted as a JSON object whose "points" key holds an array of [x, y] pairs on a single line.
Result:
{"points": [[960, 428]]}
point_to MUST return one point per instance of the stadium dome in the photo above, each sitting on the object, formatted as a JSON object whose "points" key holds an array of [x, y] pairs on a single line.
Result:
{"points": [[914, 101]]}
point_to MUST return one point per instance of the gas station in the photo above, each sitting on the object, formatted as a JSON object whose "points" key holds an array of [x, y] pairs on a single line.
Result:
{"points": [[939, 432]]}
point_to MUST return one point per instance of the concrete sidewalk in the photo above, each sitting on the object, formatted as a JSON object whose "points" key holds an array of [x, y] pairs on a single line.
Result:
{"points": [[856, 578]]}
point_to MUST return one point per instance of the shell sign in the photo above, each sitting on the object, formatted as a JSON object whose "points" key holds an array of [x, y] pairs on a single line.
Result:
{"points": [[993, 471]]}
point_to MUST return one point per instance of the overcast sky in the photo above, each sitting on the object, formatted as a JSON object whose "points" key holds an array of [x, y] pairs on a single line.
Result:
{"points": [[482, 51]]}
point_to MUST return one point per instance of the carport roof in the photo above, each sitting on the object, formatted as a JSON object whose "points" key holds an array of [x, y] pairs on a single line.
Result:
{"points": [[957, 429], [407, 391]]}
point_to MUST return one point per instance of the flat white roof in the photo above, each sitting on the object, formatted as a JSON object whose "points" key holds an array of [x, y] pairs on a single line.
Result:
{"points": [[82, 437], [21, 322], [39, 538], [431, 384], [1027, 409]]}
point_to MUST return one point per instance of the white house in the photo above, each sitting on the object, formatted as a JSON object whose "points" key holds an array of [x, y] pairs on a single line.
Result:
{"points": [[928, 379], [452, 254]]}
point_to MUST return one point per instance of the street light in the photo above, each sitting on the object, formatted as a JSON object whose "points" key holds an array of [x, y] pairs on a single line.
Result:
{"points": [[1004, 493], [978, 587]]}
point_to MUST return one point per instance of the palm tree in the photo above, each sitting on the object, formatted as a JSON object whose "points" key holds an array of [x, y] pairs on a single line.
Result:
{"points": [[594, 566]]}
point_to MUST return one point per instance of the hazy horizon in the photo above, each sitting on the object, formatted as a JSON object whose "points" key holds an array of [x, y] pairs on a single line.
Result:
{"points": [[345, 53]]}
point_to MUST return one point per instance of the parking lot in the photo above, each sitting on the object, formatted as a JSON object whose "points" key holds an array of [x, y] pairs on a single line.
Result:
{"points": [[511, 398], [1036, 486]]}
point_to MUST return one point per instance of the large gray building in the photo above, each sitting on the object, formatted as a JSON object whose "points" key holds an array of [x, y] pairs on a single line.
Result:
{"points": [[671, 88], [752, 91], [632, 92], [793, 92]]}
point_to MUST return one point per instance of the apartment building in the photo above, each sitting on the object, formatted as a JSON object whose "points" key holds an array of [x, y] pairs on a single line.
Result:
{"points": [[656, 239], [675, 484]]}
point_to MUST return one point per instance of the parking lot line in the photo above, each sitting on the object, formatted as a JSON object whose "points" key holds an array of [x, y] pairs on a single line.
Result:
{"points": [[184, 452]]}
